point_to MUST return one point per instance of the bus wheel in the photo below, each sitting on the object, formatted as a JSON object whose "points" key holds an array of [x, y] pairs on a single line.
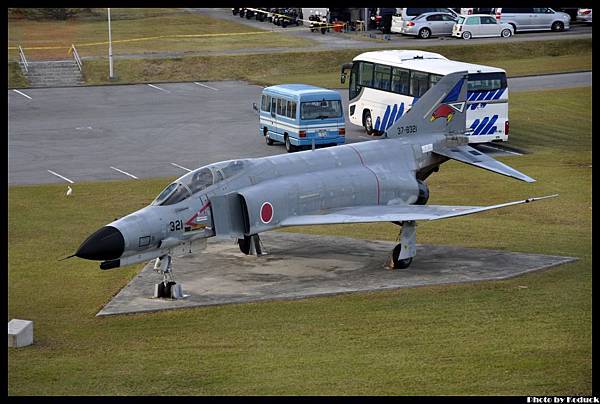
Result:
{"points": [[368, 122], [267, 138], [288, 145]]}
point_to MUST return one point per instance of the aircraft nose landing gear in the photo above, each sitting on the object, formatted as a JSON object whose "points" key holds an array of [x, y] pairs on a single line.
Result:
{"points": [[403, 253], [168, 288]]}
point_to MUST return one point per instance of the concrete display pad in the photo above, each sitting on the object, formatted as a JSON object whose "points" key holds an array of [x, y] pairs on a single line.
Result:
{"points": [[299, 265]]}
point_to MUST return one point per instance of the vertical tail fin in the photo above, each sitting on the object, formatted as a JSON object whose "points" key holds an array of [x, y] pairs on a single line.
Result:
{"points": [[442, 109]]}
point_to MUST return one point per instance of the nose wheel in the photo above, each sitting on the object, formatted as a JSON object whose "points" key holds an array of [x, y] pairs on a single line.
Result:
{"points": [[168, 288]]}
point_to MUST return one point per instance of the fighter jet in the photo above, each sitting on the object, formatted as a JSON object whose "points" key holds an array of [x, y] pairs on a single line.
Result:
{"points": [[380, 180]]}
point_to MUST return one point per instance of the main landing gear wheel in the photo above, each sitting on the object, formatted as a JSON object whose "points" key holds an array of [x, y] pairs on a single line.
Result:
{"points": [[402, 255], [250, 245], [398, 263]]}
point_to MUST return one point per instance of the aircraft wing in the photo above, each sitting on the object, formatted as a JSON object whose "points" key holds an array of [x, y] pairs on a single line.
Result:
{"points": [[393, 213], [469, 155]]}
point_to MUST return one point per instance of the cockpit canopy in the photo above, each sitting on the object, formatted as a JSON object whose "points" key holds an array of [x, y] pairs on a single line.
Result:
{"points": [[198, 180]]}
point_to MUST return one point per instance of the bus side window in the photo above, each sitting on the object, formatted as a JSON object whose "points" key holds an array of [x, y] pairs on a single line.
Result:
{"points": [[266, 103], [289, 109], [419, 83], [273, 100], [278, 106], [292, 110], [434, 78], [365, 77], [400, 81], [381, 77], [283, 108]]}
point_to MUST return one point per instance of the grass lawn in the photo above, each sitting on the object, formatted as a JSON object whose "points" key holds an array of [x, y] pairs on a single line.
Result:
{"points": [[323, 68], [167, 30], [529, 335]]}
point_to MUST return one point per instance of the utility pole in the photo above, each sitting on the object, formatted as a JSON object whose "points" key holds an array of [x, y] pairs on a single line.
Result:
{"points": [[110, 55]]}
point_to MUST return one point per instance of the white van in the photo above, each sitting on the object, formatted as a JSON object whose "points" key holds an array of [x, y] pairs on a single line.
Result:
{"points": [[533, 19]]}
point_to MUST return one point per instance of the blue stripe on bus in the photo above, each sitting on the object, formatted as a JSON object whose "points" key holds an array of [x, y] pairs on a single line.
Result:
{"points": [[498, 94], [490, 94], [481, 125], [480, 96], [487, 129], [400, 111], [377, 124], [386, 116], [392, 116], [474, 124]]}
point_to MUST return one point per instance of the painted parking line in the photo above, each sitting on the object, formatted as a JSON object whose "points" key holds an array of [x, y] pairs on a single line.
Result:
{"points": [[204, 85], [182, 167], [23, 94], [60, 176], [502, 150], [159, 88], [124, 172]]}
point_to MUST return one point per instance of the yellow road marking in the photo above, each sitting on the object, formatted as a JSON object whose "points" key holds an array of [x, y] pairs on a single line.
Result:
{"points": [[150, 38]]}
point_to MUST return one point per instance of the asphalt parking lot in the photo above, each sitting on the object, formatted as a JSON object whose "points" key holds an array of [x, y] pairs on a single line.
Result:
{"points": [[152, 130]]}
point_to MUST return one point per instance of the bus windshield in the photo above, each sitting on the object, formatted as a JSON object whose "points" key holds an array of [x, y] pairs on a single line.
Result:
{"points": [[321, 109]]}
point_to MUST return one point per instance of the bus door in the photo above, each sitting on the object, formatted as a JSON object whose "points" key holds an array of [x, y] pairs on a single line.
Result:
{"points": [[270, 118], [265, 113]]}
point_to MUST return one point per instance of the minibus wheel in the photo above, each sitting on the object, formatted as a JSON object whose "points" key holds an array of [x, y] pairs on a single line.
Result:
{"points": [[288, 145], [267, 138]]}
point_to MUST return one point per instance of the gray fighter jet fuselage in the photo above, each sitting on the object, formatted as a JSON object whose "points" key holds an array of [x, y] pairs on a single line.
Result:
{"points": [[375, 181]]}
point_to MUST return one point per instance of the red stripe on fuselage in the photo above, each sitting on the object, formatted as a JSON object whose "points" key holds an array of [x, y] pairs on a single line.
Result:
{"points": [[368, 168], [202, 209]]}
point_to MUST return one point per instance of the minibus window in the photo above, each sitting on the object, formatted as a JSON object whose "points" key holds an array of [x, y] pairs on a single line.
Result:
{"points": [[321, 109]]}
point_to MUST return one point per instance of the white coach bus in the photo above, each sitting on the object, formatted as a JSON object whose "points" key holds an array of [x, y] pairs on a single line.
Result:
{"points": [[384, 85]]}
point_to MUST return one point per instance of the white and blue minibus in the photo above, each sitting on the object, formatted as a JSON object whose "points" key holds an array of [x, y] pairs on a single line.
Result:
{"points": [[300, 115]]}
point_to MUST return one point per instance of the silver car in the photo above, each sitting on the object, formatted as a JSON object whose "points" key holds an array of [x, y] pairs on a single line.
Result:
{"points": [[534, 19], [480, 25], [429, 24]]}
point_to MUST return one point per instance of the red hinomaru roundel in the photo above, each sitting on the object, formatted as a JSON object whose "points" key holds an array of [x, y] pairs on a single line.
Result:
{"points": [[266, 212]]}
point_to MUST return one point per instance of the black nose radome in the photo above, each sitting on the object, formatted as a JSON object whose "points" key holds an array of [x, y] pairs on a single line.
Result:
{"points": [[105, 244]]}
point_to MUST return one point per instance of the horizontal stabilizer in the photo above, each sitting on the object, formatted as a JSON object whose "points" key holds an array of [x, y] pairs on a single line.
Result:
{"points": [[469, 155], [394, 213]]}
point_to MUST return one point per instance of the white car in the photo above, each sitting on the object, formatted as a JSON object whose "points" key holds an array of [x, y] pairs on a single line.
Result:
{"points": [[584, 15], [480, 25]]}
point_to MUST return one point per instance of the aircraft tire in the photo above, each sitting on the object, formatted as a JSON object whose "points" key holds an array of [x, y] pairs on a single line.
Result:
{"points": [[244, 244], [400, 264]]}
